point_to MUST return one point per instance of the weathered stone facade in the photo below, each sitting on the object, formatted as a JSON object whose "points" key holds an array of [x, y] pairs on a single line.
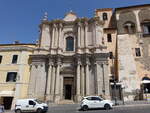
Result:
{"points": [[58, 73], [133, 34], [106, 50]]}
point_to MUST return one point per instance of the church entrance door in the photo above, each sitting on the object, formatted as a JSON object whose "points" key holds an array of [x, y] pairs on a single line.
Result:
{"points": [[68, 91], [68, 88]]}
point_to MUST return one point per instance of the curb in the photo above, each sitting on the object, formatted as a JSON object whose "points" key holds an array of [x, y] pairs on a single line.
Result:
{"points": [[131, 105]]}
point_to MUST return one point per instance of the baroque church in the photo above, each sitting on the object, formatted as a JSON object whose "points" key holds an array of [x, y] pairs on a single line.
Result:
{"points": [[71, 61], [107, 55]]}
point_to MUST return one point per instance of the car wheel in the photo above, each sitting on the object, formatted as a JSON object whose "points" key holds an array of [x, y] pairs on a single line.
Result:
{"points": [[107, 106], [39, 110], [18, 111], [85, 108]]}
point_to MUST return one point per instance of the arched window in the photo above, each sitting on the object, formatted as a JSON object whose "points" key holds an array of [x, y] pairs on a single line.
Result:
{"points": [[146, 84], [69, 43], [129, 27], [105, 16]]}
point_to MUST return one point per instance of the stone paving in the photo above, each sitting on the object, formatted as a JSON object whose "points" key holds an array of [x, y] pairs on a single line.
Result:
{"points": [[70, 108]]}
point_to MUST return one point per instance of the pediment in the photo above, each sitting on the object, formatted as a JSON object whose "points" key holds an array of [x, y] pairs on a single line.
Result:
{"points": [[70, 17]]}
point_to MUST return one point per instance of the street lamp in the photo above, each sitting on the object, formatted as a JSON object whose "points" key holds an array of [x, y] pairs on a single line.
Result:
{"points": [[146, 91], [103, 90], [122, 88], [115, 87]]}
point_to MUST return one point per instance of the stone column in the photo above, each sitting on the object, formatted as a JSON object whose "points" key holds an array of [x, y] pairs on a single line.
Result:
{"points": [[57, 91], [53, 81], [82, 81], [32, 82], [79, 34], [61, 86], [53, 36], [97, 41], [78, 88], [87, 77], [99, 78], [82, 36], [60, 38], [86, 35], [45, 37], [106, 80], [49, 82], [56, 37], [60, 35], [94, 34]]}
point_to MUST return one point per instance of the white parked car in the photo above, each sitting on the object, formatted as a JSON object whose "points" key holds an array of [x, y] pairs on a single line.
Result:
{"points": [[91, 102], [30, 105]]}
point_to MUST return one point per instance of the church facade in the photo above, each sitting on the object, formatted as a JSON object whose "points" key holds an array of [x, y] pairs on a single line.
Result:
{"points": [[71, 61], [107, 55]]}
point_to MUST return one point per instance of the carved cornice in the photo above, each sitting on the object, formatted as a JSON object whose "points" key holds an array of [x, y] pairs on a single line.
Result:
{"points": [[100, 56], [39, 58], [20, 48], [83, 21]]}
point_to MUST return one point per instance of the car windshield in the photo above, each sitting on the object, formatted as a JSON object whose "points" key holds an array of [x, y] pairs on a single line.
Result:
{"points": [[38, 101]]}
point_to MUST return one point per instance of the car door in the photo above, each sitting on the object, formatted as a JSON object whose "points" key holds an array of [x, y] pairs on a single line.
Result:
{"points": [[31, 105], [97, 102], [90, 102]]}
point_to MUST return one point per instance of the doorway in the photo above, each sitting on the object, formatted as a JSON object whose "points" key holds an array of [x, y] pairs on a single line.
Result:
{"points": [[7, 101], [68, 88], [68, 91]]}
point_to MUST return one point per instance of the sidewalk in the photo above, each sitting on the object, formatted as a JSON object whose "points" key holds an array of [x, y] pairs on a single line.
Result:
{"points": [[132, 103], [9, 111]]}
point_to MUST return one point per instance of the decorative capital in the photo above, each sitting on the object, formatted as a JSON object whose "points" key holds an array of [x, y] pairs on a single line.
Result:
{"points": [[79, 62], [60, 25], [87, 61], [54, 25], [79, 24], [86, 23]]}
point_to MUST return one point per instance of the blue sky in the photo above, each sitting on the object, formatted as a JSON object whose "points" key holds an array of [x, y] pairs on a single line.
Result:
{"points": [[19, 19]]}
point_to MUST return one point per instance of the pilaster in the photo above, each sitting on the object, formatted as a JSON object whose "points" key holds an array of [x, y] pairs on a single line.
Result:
{"points": [[53, 36], [48, 92], [86, 37], [56, 37], [57, 90], [39, 68], [106, 80], [82, 80], [79, 37], [78, 83], [53, 81], [82, 39], [87, 76]]}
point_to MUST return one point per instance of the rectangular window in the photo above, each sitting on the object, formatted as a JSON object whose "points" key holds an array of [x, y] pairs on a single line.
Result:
{"points": [[11, 77], [14, 60], [105, 16], [137, 52], [110, 55], [109, 38], [146, 29], [1, 59]]}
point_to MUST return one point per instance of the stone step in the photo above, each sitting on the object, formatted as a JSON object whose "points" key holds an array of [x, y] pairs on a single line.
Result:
{"points": [[66, 102]]}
